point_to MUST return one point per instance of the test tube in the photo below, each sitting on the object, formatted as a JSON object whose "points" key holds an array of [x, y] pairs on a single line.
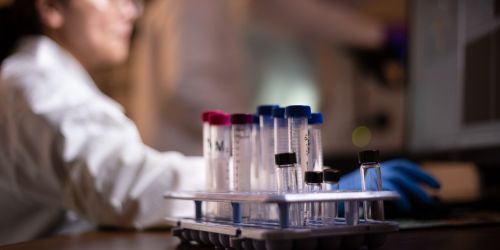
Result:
{"points": [[288, 183], [268, 177], [313, 180], [329, 209], [315, 162], [241, 132], [298, 135], [257, 211], [210, 175], [371, 180], [241, 144], [220, 136], [280, 131], [207, 146], [256, 156]]}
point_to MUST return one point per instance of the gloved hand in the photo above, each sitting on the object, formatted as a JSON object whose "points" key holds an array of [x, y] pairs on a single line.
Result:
{"points": [[399, 175]]}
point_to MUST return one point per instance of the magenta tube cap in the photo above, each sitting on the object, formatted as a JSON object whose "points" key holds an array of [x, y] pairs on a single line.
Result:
{"points": [[205, 116], [219, 119]]}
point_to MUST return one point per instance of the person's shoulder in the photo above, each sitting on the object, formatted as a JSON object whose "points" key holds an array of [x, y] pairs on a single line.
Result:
{"points": [[24, 66], [41, 66], [51, 79]]}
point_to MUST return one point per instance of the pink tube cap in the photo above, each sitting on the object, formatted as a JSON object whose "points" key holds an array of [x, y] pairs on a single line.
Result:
{"points": [[205, 116], [219, 119]]}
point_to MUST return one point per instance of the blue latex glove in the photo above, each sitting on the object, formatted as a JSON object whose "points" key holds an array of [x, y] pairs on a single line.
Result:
{"points": [[400, 175]]}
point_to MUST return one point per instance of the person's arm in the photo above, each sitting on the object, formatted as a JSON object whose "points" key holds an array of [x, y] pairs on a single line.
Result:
{"points": [[113, 177], [82, 153], [326, 19]]}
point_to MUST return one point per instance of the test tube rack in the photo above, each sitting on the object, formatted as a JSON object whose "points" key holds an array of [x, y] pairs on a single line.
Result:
{"points": [[347, 232]]}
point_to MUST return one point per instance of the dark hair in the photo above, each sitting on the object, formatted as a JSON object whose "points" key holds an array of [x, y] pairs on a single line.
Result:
{"points": [[18, 20]]}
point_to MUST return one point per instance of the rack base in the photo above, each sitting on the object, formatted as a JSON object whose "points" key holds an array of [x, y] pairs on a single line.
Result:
{"points": [[224, 234]]}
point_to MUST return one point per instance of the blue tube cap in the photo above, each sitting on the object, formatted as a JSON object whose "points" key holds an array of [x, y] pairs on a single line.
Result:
{"points": [[298, 111], [279, 113], [266, 110], [316, 118]]}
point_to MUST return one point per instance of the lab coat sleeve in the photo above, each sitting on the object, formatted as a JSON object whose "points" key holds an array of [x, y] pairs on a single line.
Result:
{"points": [[113, 178], [106, 173]]}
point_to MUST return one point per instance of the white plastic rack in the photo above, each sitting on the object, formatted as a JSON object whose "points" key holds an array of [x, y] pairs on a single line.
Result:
{"points": [[233, 233]]}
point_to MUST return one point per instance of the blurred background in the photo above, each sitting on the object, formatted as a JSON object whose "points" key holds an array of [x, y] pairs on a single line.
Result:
{"points": [[415, 79], [347, 59]]}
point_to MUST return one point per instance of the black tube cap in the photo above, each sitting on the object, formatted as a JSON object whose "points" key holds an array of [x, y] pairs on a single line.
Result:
{"points": [[313, 177], [331, 175], [285, 159], [241, 119], [368, 156]]}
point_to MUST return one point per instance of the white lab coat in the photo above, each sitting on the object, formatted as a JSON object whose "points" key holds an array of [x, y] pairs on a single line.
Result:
{"points": [[65, 146]]}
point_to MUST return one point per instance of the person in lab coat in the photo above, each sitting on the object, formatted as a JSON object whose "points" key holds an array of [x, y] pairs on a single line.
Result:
{"points": [[64, 145]]}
